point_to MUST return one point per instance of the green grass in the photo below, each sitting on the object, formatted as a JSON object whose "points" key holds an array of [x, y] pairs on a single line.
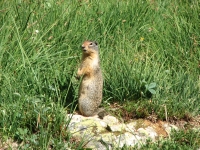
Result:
{"points": [[183, 140], [149, 50]]}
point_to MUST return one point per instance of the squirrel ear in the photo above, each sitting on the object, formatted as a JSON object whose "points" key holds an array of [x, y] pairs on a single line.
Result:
{"points": [[95, 43]]}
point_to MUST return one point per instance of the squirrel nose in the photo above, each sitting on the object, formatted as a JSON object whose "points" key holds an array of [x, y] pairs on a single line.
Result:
{"points": [[82, 46]]}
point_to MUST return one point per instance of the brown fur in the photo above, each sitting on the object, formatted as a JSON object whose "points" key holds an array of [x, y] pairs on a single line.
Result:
{"points": [[90, 91]]}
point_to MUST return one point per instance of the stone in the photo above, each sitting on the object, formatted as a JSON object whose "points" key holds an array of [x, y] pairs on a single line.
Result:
{"points": [[130, 127], [93, 144], [110, 133], [111, 120], [142, 132], [130, 139], [169, 127], [109, 138], [151, 133], [120, 127]]}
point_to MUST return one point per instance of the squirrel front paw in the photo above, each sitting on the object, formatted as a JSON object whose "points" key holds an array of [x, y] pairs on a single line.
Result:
{"points": [[77, 77]]}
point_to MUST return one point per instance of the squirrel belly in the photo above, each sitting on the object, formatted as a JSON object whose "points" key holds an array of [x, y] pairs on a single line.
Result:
{"points": [[90, 95]]}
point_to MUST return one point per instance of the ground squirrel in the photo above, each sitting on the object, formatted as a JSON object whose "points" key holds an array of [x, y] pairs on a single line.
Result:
{"points": [[90, 91]]}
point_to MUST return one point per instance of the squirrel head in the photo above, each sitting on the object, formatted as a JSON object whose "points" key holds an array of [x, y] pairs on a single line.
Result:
{"points": [[89, 47]]}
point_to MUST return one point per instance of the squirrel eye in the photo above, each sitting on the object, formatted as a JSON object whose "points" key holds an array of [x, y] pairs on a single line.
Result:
{"points": [[91, 43]]}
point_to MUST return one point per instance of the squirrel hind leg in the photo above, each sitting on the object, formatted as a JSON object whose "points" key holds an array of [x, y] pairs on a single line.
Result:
{"points": [[87, 113]]}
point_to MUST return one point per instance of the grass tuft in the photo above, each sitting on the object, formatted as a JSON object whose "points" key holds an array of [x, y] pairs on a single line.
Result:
{"points": [[149, 52]]}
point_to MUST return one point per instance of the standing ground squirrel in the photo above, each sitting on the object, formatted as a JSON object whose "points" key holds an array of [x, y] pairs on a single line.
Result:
{"points": [[90, 91]]}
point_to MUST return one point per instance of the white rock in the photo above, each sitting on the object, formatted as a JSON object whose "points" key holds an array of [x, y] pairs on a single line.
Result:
{"points": [[174, 127], [103, 124], [109, 138], [110, 131], [129, 139], [168, 128], [142, 132], [120, 127], [75, 118], [130, 127], [151, 132], [96, 145], [110, 120]]}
